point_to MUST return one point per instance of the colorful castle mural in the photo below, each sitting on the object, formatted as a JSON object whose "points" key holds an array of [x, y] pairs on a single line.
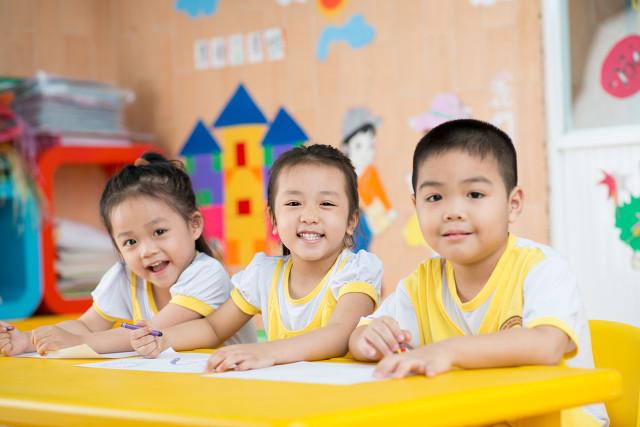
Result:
{"points": [[230, 176]]}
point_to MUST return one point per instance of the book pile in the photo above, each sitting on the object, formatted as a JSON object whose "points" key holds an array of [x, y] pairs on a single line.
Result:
{"points": [[57, 105], [84, 254]]}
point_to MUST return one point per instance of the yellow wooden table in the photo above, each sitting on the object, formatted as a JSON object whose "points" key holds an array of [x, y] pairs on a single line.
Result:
{"points": [[55, 393]]}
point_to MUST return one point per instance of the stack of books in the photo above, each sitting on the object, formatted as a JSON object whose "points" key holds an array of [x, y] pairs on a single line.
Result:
{"points": [[57, 105], [84, 254]]}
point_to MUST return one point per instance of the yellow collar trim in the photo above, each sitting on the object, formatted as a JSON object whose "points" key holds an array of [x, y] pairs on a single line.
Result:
{"points": [[489, 287]]}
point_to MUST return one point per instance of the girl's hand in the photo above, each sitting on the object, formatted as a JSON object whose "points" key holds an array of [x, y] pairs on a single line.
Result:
{"points": [[12, 342], [50, 338], [382, 337], [146, 344], [429, 360], [240, 357]]}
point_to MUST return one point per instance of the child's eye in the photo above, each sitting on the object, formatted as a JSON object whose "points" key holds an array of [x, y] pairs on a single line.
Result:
{"points": [[129, 242], [475, 195], [160, 231], [292, 203], [434, 198], [327, 203]]}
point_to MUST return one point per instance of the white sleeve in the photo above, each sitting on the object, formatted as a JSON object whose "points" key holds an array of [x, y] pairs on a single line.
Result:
{"points": [[551, 297], [362, 273], [399, 307], [111, 297], [246, 284], [202, 287]]}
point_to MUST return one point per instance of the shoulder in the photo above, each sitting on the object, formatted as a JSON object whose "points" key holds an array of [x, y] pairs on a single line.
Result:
{"points": [[263, 262], [548, 258], [361, 258]]}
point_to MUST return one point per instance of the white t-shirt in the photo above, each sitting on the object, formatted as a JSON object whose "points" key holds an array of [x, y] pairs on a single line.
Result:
{"points": [[202, 287], [361, 272], [550, 297]]}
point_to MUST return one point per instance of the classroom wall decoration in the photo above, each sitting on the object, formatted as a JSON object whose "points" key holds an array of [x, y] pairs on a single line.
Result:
{"points": [[620, 75], [195, 8], [230, 177], [356, 33], [358, 142], [330, 8], [311, 61], [239, 49], [627, 214]]}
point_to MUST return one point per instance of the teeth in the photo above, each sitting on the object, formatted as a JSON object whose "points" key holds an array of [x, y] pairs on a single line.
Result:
{"points": [[310, 236]]}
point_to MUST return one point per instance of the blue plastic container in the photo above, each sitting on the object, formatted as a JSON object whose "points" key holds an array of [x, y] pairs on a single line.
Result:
{"points": [[20, 278]]}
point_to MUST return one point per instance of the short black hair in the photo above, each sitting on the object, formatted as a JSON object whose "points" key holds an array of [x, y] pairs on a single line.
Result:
{"points": [[475, 137]]}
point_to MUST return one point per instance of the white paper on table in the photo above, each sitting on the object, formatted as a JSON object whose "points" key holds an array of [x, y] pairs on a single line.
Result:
{"points": [[308, 372], [168, 361], [82, 351]]}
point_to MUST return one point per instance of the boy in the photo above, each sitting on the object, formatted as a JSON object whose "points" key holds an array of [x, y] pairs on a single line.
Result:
{"points": [[490, 299]]}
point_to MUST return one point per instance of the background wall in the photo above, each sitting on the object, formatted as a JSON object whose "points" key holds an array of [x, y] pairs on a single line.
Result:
{"points": [[485, 52]]}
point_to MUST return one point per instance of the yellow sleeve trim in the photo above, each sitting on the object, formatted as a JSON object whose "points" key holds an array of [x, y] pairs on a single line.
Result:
{"points": [[242, 303], [193, 304], [103, 314], [360, 287], [552, 321]]}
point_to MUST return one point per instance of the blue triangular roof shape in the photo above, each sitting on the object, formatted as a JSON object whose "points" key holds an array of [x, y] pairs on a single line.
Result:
{"points": [[284, 130], [240, 110], [200, 142]]}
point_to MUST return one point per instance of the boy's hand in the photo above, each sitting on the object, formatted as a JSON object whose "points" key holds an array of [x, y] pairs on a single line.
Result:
{"points": [[12, 342], [50, 338], [429, 360], [146, 344], [240, 357], [382, 337]]}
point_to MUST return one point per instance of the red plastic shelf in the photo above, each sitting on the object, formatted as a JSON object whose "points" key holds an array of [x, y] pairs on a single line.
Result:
{"points": [[50, 160]]}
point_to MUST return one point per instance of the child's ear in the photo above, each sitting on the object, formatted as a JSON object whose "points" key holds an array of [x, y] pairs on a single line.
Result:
{"points": [[353, 223], [196, 224], [516, 202], [413, 200], [272, 218]]}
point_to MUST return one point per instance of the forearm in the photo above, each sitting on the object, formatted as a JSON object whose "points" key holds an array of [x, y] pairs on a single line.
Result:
{"points": [[514, 347], [76, 326], [109, 341], [324, 343], [191, 335]]}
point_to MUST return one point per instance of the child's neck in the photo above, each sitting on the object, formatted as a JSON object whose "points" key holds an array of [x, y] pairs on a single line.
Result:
{"points": [[471, 278], [305, 275]]}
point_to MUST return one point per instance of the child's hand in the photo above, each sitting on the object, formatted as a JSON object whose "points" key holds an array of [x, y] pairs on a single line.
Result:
{"points": [[50, 338], [240, 357], [12, 342], [429, 360], [146, 344], [382, 337]]}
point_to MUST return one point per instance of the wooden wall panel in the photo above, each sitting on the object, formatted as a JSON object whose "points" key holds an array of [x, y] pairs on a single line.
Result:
{"points": [[421, 48]]}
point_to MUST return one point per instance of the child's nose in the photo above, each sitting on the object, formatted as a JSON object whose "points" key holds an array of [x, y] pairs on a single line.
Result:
{"points": [[309, 216], [148, 248]]}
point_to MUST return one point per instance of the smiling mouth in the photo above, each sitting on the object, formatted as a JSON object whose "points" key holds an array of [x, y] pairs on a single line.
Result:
{"points": [[157, 266], [310, 237], [454, 234]]}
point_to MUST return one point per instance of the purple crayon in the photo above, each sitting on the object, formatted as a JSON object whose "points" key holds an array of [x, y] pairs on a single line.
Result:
{"points": [[134, 327], [9, 328]]}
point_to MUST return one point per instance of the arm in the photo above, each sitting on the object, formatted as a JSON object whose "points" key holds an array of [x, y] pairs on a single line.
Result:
{"points": [[542, 345], [207, 332], [118, 339], [324, 343]]}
